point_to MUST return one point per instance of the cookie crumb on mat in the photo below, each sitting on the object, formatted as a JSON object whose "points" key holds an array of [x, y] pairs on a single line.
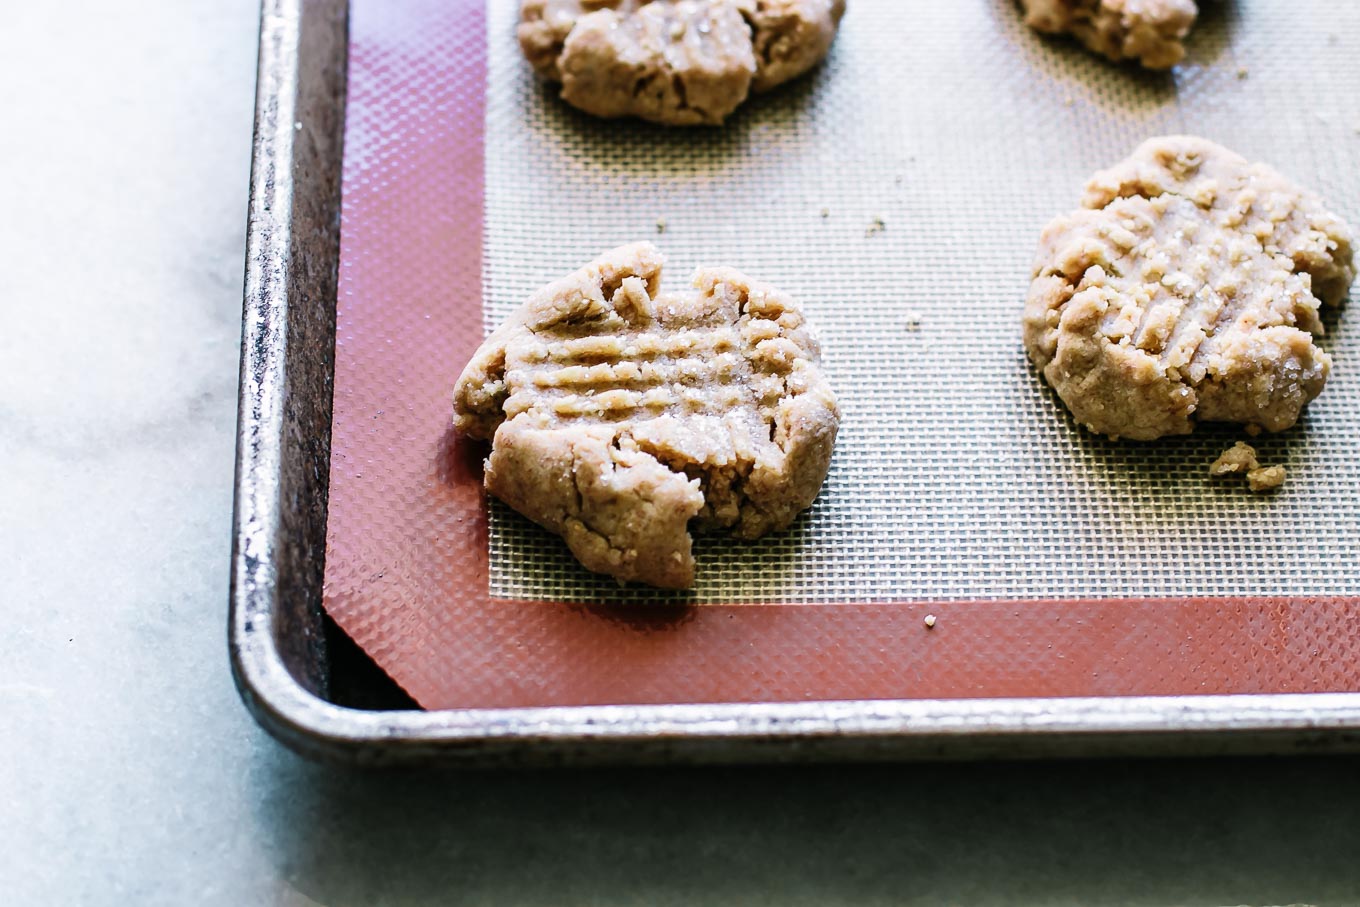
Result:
{"points": [[913, 321], [1266, 479], [878, 226], [661, 225], [930, 621], [1238, 459]]}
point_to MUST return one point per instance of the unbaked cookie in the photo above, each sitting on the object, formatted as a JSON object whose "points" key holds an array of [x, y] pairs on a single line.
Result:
{"points": [[678, 62], [621, 416], [1149, 31], [1186, 289]]}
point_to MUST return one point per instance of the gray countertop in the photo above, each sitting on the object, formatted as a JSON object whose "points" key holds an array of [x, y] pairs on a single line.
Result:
{"points": [[130, 772]]}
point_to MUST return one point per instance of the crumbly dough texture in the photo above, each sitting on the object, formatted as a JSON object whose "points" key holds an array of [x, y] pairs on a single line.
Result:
{"points": [[678, 62], [621, 416], [1267, 478], [1149, 31], [1186, 289], [1239, 459]]}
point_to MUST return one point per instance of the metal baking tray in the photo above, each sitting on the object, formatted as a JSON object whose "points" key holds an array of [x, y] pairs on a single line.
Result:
{"points": [[310, 686]]}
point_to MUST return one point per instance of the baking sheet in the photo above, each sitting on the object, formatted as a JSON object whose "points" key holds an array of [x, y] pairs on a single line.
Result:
{"points": [[1058, 563]]}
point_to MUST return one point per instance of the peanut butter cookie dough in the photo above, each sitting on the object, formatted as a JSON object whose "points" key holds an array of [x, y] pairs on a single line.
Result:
{"points": [[621, 416], [677, 62], [1149, 31], [1187, 289], [1240, 461]]}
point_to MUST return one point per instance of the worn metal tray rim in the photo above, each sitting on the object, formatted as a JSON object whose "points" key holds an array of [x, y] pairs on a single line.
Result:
{"points": [[313, 725], [1236, 712]]}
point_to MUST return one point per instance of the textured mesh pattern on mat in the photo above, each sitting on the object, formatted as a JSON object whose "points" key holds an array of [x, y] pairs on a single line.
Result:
{"points": [[958, 475]]}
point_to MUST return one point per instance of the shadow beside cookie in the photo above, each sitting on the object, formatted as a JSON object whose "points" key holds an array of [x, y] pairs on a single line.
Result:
{"points": [[536, 565], [1158, 479], [1123, 87], [459, 460], [652, 151], [1212, 34]]}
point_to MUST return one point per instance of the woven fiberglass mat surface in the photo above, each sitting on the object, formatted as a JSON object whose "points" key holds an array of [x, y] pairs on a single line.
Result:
{"points": [[957, 475]]}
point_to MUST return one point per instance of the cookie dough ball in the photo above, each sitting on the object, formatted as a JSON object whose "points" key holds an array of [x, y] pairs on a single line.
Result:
{"points": [[621, 416], [1149, 31], [1187, 289], [678, 62]]}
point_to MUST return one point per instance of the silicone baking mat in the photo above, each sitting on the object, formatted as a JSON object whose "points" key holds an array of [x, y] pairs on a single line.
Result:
{"points": [[898, 192]]}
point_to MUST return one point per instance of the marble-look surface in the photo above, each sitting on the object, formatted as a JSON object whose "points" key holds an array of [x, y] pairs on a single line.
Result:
{"points": [[130, 773]]}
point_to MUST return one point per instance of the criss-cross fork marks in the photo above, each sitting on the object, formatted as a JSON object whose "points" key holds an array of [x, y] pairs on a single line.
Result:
{"points": [[613, 377], [620, 416], [1183, 309], [1186, 289]]}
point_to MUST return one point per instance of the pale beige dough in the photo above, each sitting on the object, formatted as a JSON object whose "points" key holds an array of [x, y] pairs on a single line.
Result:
{"points": [[1186, 289], [1239, 459], [678, 62], [1268, 478], [1149, 31], [621, 416]]}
